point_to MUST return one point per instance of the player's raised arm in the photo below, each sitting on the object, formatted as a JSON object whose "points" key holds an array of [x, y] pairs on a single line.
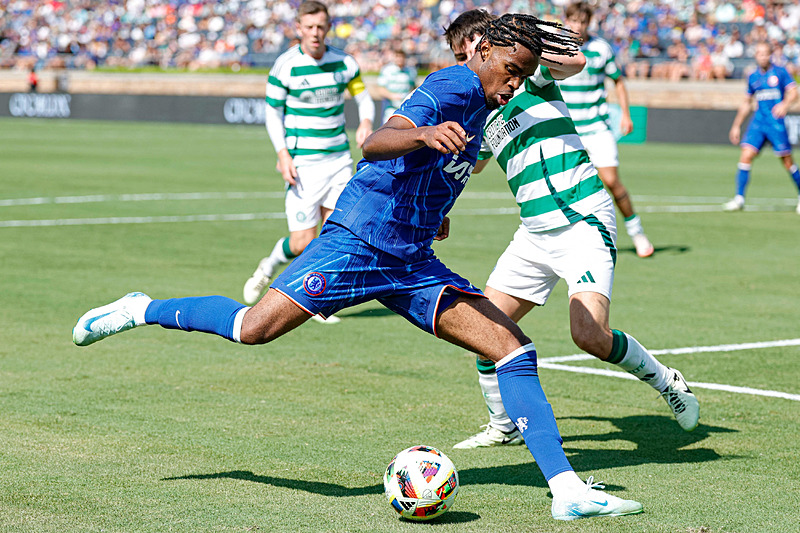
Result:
{"points": [[399, 136], [563, 66]]}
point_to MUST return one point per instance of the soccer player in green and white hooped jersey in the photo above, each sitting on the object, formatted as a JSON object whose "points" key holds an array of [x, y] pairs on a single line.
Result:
{"points": [[568, 231], [585, 95], [395, 82], [306, 124]]}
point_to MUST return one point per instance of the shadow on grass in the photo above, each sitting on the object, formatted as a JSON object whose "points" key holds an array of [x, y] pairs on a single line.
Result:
{"points": [[673, 248], [658, 440]]}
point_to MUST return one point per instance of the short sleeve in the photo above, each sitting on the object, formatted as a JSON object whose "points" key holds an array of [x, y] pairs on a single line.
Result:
{"points": [[424, 106], [611, 69]]}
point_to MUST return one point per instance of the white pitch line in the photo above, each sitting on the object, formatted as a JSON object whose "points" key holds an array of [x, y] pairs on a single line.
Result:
{"points": [[694, 384], [551, 363], [34, 223], [152, 197], [686, 350], [137, 220]]}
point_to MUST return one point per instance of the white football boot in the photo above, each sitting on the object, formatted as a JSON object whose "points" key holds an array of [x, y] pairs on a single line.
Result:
{"points": [[110, 319], [682, 401], [259, 281], [737, 204], [644, 248], [491, 436], [590, 502]]}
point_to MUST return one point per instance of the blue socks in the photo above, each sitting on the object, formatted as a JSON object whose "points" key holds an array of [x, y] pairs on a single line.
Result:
{"points": [[528, 408], [795, 173], [742, 177], [209, 314]]}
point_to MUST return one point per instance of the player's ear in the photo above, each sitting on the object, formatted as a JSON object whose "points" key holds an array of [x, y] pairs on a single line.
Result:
{"points": [[485, 48]]}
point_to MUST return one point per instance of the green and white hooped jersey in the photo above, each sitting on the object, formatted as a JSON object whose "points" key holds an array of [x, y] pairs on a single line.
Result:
{"points": [[585, 92], [534, 132], [311, 95], [397, 80]]}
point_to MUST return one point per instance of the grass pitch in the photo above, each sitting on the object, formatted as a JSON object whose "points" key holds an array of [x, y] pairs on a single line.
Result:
{"points": [[159, 430]]}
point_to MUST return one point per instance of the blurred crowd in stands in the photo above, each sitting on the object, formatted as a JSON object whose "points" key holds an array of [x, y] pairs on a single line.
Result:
{"points": [[666, 39]]}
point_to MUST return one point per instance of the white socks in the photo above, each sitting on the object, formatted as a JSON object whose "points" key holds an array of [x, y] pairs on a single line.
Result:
{"points": [[566, 483], [638, 361]]}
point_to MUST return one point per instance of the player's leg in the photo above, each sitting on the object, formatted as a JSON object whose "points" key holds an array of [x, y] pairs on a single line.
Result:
{"points": [[779, 138], [602, 149], [273, 316], [500, 431], [589, 312], [517, 283], [586, 260], [794, 172], [754, 139], [478, 325]]}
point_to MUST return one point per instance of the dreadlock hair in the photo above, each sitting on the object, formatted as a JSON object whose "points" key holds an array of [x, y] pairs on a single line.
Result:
{"points": [[535, 34]]}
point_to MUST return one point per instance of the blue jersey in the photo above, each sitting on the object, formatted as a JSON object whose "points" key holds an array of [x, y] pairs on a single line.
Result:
{"points": [[768, 87], [398, 205]]}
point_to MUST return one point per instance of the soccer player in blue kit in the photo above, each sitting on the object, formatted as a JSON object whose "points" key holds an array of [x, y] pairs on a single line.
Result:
{"points": [[377, 245], [774, 90]]}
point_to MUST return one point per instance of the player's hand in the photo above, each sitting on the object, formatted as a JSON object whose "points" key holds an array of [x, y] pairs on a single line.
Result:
{"points": [[286, 167], [779, 110], [625, 125], [735, 135], [364, 130], [444, 230], [448, 137]]}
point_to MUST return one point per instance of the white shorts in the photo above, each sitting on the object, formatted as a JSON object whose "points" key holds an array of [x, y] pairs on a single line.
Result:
{"points": [[602, 148], [317, 186], [583, 254]]}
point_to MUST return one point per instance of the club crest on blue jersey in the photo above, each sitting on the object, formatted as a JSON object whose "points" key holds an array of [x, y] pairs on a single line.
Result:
{"points": [[314, 283]]}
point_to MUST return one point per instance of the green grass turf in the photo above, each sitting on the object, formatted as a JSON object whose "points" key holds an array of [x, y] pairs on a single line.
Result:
{"points": [[160, 430]]}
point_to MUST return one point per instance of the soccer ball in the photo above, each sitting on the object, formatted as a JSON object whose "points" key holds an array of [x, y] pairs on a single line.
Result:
{"points": [[421, 483]]}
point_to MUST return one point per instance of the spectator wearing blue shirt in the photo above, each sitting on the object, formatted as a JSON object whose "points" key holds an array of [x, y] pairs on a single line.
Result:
{"points": [[774, 90]]}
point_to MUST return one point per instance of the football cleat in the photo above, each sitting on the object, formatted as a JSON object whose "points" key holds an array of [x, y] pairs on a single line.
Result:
{"points": [[322, 320], [644, 248], [259, 281], [682, 401], [591, 502], [105, 321], [491, 436], [737, 204]]}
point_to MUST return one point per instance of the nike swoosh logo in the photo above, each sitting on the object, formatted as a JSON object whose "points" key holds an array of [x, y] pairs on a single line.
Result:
{"points": [[88, 324], [470, 137], [176, 319], [602, 504]]}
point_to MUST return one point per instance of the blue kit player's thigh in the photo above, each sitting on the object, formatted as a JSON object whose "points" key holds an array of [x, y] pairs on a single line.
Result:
{"points": [[754, 137], [339, 270], [778, 137], [425, 289]]}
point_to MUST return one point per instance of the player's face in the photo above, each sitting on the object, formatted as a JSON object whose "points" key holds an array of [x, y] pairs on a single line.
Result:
{"points": [[465, 50], [312, 30], [504, 70], [763, 53], [579, 24]]}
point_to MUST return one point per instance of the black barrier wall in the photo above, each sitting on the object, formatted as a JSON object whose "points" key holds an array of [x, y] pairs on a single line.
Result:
{"points": [[663, 125]]}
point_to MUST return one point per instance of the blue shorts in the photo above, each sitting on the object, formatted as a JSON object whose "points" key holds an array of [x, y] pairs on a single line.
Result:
{"points": [[775, 132], [339, 270]]}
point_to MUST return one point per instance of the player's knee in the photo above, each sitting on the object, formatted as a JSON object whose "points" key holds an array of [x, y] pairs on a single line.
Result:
{"points": [[254, 332]]}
